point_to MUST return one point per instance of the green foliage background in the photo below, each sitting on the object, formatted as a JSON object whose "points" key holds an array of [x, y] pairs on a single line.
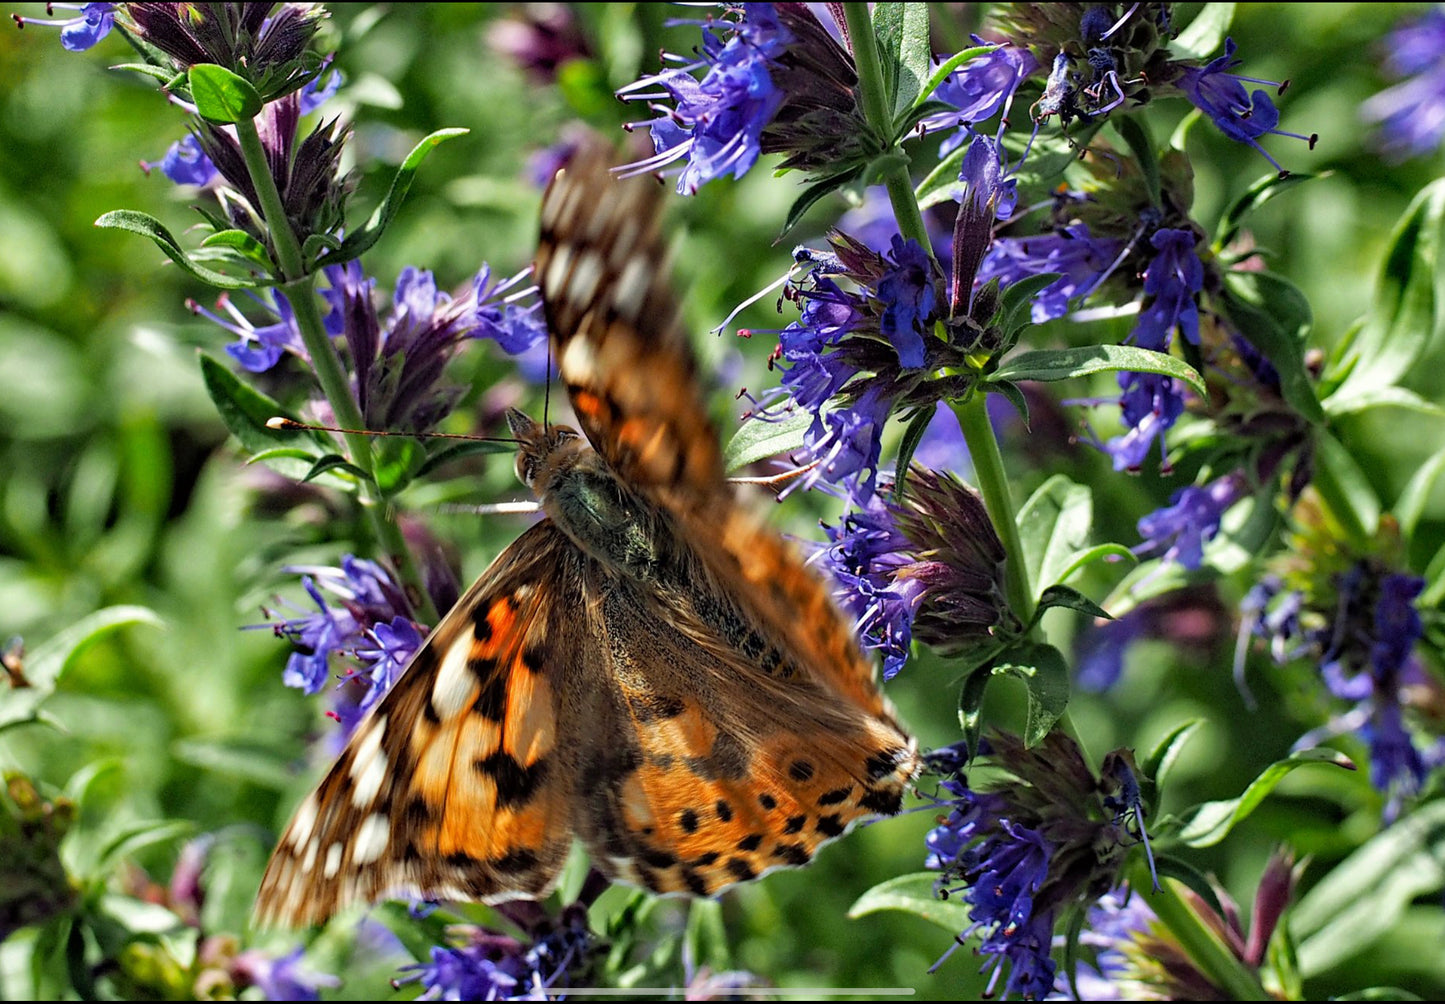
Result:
{"points": [[118, 485]]}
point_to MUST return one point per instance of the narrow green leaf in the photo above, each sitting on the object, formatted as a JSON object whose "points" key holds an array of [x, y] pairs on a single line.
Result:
{"points": [[1206, 32], [1405, 316], [456, 451], [1212, 821], [970, 706], [140, 835], [331, 462], [942, 184], [1168, 866], [1070, 599], [946, 68], [913, 894], [362, 239], [1054, 526], [903, 35], [49, 660], [221, 96], [1162, 758], [757, 439], [912, 436], [396, 461], [816, 191], [1381, 397], [238, 757], [1099, 552], [1275, 317], [1045, 674], [243, 244], [1379, 994], [1011, 393], [1016, 301], [245, 410], [1341, 482], [1253, 197], [1062, 364], [148, 226], [417, 934], [165, 76], [1135, 133], [1411, 503], [1363, 897]]}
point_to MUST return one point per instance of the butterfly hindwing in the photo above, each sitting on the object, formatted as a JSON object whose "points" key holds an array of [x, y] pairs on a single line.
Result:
{"points": [[459, 783]]}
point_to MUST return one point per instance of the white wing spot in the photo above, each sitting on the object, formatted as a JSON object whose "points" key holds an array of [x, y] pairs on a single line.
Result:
{"points": [[578, 361], [454, 683], [371, 840], [585, 277], [368, 766], [557, 270], [333, 860], [310, 859], [631, 287], [304, 822]]}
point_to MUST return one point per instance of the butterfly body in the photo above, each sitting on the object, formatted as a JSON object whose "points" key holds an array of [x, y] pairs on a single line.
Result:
{"points": [[649, 668]]}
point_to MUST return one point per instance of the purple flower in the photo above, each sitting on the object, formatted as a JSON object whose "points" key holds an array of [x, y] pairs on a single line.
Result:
{"points": [[980, 89], [1080, 259], [863, 552], [503, 315], [907, 295], [1099, 660], [1240, 116], [990, 195], [1149, 406], [1179, 531], [716, 123], [77, 33], [1172, 280], [1411, 114], [281, 979], [847, 441], [257, 349], [492, 966], [185, 163]]}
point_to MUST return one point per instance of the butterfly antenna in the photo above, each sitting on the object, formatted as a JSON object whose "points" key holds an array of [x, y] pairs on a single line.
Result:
{"points": [[547, 388], [291, 425]]}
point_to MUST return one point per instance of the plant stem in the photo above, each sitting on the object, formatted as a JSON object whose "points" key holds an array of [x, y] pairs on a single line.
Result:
{"points": [[993, 484], [300, 291], [893, 162]]}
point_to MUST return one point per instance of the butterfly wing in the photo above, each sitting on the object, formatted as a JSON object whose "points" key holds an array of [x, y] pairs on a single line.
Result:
{"points": [[460, 783], [724, 772], [601, 265]]}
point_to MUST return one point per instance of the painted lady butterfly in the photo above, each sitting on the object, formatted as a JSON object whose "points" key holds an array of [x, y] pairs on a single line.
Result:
{"points": [[648, 669]]}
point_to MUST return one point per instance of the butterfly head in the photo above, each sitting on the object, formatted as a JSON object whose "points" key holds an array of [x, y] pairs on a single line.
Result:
{"points": [[545, 448]]}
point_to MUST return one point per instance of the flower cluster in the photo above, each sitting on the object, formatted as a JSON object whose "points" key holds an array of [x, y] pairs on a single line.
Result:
{"points": [[1409, 116], [1026, 849], [487, 965]]}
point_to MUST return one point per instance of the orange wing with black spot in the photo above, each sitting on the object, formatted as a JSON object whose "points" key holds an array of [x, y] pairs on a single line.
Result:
{"points": [[460, 783]]}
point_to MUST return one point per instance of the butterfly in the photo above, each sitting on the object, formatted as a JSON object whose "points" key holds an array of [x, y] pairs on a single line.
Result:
{"points": [[648, 668]]}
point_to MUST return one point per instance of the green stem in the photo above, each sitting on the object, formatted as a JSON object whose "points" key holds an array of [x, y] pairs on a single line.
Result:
{"points": [[1203, 946], [1326, 481], [874, 98], [300, 291], [993, 484]]}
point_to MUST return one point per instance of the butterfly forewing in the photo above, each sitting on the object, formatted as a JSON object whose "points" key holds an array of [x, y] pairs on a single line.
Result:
{"points": [[601, 265], [459, 783]]}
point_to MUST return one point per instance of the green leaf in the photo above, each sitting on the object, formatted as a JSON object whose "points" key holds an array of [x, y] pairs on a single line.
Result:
{"points": [[1363, 897], [970, 705], [49, 660], [946, 68], [1099, 552], [417, 934], [1011, 393], [706, 935], [137, 916], [1054, 526], [456, 451], [245, 412], [942, 184], [148, 226], [361, 240], [913, 894], [757, 439], [1062, 364], [1212, 821], [1161, 759], [1046, 676], [816, 191], [1379, 994], [1168, 866], [1411, 503], [137, 836], [1341, 482], [1275, 317], [1135, 133], [396, 459], [902, 30], [238, 757], [1070, 599], [1206, 32], [1404, 317], [221, 96], [1016, 301], [244, 245], [1253, 197], [1382, 397], [912, 436], [331, 462]]}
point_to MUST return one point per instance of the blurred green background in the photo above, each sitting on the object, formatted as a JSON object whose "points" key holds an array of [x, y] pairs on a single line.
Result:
{"points": [[118, 484]]}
